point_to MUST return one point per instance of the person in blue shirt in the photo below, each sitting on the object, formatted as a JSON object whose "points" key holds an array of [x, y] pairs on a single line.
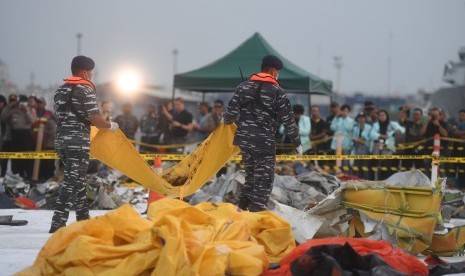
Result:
{"points": [[201, 131], [343, 124]]}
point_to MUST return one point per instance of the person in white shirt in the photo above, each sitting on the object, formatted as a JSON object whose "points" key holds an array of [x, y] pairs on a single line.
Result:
{"points": [[384, 131]]}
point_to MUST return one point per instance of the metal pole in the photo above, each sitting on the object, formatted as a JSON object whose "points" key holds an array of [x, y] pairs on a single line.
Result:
{"points": [[175, 65], [78, 36], [435, 163], [338, 64], [309, 104], [389, 64]]}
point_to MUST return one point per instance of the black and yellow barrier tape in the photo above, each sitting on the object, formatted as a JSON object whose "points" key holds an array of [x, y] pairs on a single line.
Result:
{"points": [[178, 157]]}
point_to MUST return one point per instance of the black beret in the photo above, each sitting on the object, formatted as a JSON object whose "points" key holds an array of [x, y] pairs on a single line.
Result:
{"points": [[82, 63], [273, 62]]}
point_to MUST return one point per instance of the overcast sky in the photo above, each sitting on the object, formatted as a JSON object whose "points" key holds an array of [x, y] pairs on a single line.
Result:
{"points": [[40, 37]]}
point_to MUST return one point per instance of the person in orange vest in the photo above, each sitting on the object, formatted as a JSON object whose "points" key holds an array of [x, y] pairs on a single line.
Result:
{"points": [[47, 119], [258, 106], [76, 110]]}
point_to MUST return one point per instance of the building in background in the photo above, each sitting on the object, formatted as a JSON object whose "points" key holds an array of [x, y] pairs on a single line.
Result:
{"points": [[452, 98]]}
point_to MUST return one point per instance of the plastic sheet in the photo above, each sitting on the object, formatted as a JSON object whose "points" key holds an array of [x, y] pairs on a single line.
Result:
{"points": [[207, 239], [114, 150]]}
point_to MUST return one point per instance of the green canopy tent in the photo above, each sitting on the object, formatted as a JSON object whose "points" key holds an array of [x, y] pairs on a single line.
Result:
{"points": [[224, 74]]}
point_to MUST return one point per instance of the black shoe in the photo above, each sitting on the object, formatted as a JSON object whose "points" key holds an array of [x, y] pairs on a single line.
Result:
{"points": [[244, 204], [257, 208], [54, 228], [82, 218]]}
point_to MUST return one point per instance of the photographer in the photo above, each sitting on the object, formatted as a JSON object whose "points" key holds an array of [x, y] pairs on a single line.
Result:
{"points": [[20, 117], [432, 126]]}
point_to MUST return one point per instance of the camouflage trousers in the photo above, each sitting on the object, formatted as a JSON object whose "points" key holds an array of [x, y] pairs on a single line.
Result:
{"points": [[73, 188], [259, 177]]}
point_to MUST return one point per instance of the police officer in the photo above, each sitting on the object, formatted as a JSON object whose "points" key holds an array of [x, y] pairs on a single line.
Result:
{"points": [[76, 110], [258, 107]]}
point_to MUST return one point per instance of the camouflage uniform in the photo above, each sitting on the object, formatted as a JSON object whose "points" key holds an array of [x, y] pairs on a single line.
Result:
{"points": [[73, 145], [259, 107]]}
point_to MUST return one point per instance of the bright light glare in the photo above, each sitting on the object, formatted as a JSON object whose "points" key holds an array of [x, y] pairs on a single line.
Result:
{"points": [[129, 82]]}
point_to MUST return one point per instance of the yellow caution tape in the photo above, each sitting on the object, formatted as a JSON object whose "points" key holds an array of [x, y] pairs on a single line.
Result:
{"points": [[28, 155], [453, 139], [178, 157]]}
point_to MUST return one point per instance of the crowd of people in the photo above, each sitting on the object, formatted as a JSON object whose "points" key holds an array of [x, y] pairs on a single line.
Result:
{"points": [[21, 118], [372, 131], [165, 125]]}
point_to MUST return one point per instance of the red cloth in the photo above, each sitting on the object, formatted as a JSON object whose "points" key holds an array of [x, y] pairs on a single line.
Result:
{"points": [[393, 256]]}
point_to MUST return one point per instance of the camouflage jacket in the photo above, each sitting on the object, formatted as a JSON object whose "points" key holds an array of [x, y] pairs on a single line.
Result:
{"points": [[72, 131], [258, 107]]}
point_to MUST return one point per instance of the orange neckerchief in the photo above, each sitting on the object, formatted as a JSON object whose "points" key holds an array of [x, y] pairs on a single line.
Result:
{"points": [[264, 77], [78, 80]]}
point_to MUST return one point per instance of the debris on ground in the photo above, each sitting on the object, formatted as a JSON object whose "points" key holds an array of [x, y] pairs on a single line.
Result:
{"points": [[106, 190], [403, 209], [8, 220], [348, 256]]}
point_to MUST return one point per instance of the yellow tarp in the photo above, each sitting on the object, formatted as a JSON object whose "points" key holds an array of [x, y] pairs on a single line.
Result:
{"points": [[114, 150], [265, 228], [207, 239], [410, 213]]}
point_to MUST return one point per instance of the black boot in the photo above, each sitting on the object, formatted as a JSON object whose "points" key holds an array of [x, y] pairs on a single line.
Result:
{"points": [[84, 217], [244, 203], [55, 227]]}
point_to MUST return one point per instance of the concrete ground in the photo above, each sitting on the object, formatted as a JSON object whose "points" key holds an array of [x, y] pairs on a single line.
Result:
{"points": [[19, 245]]}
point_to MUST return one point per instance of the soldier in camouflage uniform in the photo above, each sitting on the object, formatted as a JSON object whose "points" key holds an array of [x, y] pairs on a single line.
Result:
{"points": [[258, 107], [76, 109]]}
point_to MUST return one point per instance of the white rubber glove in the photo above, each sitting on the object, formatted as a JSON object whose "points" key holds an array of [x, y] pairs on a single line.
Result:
{"points": [[300, 151], [113, 126]]}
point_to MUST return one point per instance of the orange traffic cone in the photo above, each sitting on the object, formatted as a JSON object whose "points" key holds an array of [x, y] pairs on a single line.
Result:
{"points": [[154, 196]]}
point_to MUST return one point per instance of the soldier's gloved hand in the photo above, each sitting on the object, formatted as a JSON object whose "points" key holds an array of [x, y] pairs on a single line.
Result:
{"points": [[113, 126], [300, 150]]}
